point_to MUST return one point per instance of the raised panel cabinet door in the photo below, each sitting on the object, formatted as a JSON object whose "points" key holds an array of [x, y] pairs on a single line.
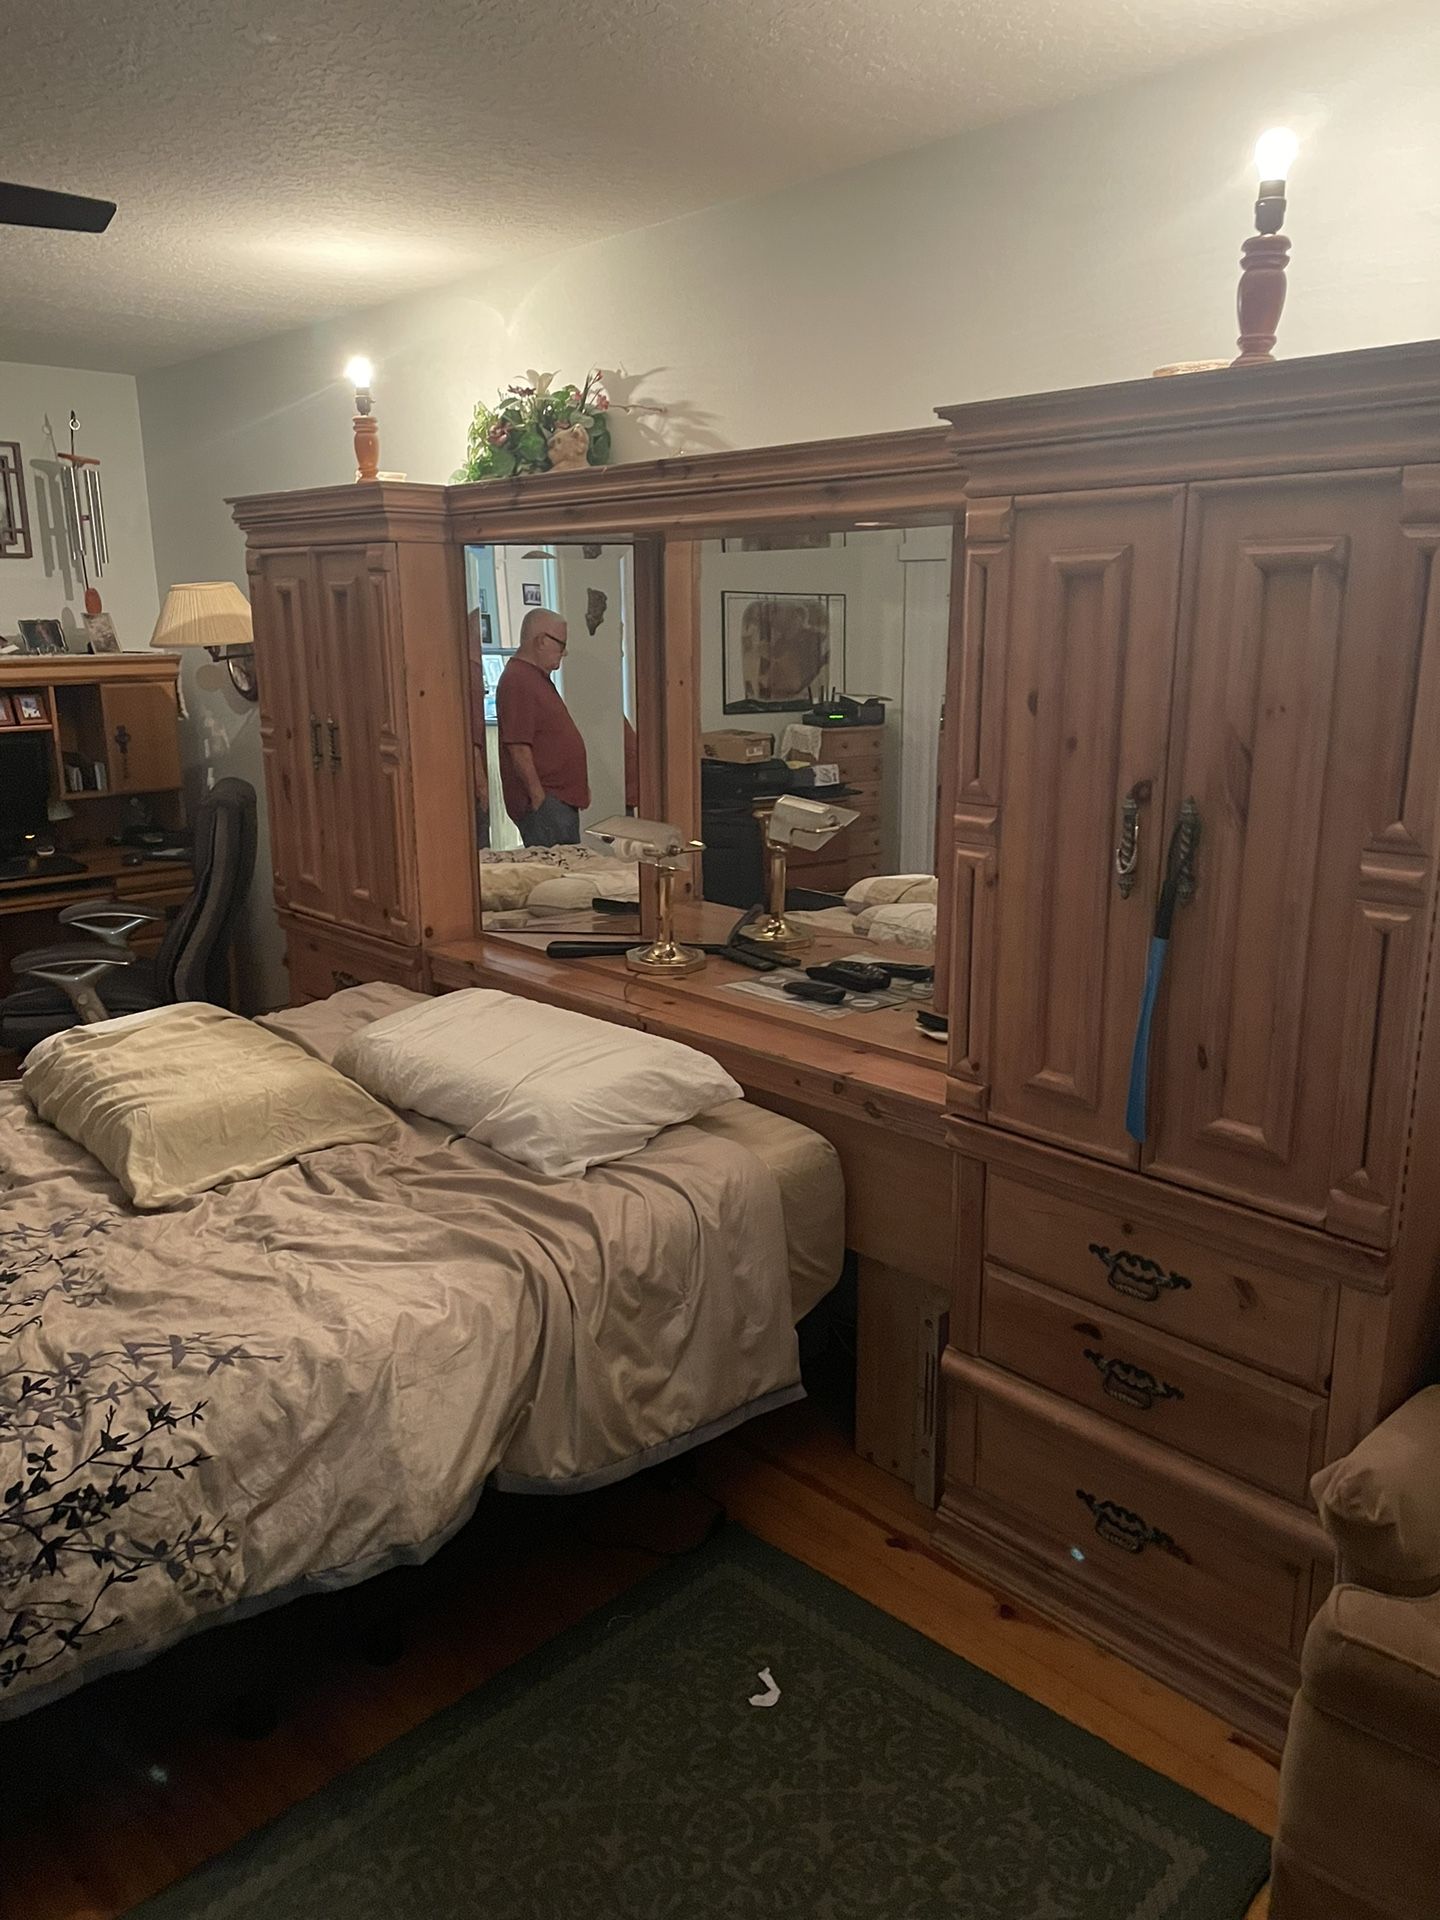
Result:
{"points": [[1305, 713], [290, 671], [142, 746], [364, 740], [1088, 653]]}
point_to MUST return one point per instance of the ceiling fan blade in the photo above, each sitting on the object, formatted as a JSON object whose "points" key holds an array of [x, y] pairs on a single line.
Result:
{"points": [[39, 207]]}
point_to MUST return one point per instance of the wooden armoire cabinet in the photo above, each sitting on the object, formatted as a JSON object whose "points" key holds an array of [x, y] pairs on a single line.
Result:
{"points": [[1210, 599], [357, 612]]}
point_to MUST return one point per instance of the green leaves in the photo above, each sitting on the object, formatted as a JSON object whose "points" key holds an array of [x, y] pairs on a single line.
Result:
{"points": [[512, 436]]}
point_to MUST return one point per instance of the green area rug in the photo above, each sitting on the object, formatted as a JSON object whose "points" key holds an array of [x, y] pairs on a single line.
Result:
{"points": [[622, 1772]]}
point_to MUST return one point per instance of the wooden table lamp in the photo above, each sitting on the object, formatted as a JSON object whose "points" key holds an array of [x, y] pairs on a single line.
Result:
{"points": [[1260, 299], [360, 373]]}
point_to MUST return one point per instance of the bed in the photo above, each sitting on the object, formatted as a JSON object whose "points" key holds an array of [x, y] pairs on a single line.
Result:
{"points": [[892, 909], [294, 1382], [536, 887]]}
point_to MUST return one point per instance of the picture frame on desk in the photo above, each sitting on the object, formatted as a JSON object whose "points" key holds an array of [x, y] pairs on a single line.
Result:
{"points": [[29, 710], [43, 636], [7, 712], [102, 635]]}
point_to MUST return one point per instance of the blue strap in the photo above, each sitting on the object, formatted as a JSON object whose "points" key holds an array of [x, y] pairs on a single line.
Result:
{"points": [[1140, 1056]]}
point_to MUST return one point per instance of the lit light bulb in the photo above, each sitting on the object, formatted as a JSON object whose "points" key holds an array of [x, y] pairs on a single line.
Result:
{"points": [[1275, 153], [359, 372]]}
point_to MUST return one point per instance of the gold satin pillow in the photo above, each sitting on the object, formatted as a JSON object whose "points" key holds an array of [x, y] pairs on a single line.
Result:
{"points": [[181, 1099]]}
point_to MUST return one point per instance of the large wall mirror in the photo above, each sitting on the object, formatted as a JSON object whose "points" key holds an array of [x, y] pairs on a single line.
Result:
{"points": [[822, 674], [554, 718]]}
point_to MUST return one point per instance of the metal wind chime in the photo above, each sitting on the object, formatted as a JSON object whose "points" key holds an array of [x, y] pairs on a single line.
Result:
{"points": [[85, 517]]}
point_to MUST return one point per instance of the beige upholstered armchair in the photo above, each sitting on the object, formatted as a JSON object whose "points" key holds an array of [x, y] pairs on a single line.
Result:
{"points": [[1359, 1830]]}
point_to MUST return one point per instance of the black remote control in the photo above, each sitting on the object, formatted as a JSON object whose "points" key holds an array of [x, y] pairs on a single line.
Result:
{"points": [[816, 990], [934, 1026], [857, 976], [908, 970], [742, 956]]}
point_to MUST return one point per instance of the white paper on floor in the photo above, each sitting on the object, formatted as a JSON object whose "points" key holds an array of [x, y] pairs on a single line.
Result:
{"points": [[771, 1693]]}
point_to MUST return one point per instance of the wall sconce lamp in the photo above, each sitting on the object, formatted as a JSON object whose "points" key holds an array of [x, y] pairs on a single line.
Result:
{"points": [[359, 372], [790, 822], [1260, 298], [215, 615], [654, 843]]}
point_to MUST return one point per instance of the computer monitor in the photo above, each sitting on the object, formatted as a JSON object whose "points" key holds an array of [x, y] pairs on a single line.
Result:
{"points": [[24, 790]]}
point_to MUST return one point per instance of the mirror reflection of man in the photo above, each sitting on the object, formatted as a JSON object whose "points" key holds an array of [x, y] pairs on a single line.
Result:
{"points": [[543, 769]]}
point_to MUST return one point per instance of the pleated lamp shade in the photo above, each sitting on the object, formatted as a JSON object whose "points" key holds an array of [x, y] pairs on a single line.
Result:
{"points": [[204, 613]]}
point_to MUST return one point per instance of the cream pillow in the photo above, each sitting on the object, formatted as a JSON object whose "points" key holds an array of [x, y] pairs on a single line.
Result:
{"points": [[898, 926], [567, 891], [555, 1090], [892, 889], [504, 887], [181, 1099]]}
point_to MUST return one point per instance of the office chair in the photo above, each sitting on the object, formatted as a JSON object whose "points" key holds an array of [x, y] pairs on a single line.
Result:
{"points": [[101, 977]]}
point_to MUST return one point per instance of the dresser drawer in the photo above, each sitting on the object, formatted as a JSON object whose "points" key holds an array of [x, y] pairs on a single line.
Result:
{"points": [[850, 846], [1277, 1321], [864, 795], [1137, 1536], [844, 745], [321, 963], [1259, 1429], [859, 770]]}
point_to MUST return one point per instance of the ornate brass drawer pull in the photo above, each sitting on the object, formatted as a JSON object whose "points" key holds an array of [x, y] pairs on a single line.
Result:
{"points": [[1132, 1386], [1135, 1276], [317, 751], [1127, 851], [333, 728], [1118, 1527], [343, 980]]}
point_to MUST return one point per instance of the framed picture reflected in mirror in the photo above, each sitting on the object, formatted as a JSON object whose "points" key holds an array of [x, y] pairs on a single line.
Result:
{"points": [[782, 651]]}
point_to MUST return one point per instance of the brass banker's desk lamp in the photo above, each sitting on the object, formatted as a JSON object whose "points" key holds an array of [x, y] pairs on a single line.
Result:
{"points": [[790, 822], [654, 843]]}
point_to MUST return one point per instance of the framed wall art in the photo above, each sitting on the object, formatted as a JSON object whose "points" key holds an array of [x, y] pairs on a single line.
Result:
{"points": [[782, 651], [14, 514]]}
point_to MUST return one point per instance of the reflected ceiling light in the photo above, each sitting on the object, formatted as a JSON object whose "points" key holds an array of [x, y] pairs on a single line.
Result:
{"points": [[537, 553]]}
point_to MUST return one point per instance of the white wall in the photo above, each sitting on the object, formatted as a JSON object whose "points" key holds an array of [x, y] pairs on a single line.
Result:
{"points": [[1086, 244], [47, 586], [592, 679]]}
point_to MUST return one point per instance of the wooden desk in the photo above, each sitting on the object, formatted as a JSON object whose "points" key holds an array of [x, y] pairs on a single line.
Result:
{"points": [[117, 712], [28, 919], [866, 1081]]}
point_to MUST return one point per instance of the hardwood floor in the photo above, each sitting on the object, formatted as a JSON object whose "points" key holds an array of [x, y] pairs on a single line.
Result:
{"points": [[112, 1794]]}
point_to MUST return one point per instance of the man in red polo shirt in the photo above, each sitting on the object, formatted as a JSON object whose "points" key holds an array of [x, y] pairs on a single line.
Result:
{"points": [[543, 770]]}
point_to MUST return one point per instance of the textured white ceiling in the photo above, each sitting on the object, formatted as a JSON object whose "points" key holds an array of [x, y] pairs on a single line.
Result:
{"points": [[277, 162]]}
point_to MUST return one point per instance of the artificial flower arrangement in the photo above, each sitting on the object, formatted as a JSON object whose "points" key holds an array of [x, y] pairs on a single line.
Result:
{"points": [[538, 427]]}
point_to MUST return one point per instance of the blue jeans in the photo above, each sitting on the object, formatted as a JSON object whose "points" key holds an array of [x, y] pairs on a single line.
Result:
{"points": [[552, 824]]}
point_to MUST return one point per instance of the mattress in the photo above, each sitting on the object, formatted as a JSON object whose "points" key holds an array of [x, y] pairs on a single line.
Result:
{"points": [[805, 1165], [812, 1192]]}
